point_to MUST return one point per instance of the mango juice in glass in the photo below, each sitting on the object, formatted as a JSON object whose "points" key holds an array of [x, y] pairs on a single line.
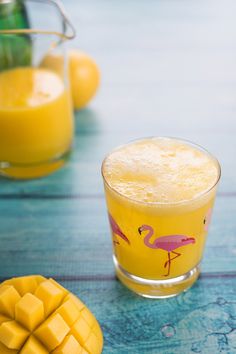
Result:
{"points": [[160, 194], [36, 117]]}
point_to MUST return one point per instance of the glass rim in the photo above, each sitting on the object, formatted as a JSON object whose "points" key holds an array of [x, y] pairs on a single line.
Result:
{"points": [[182, 202], [66, 23]]}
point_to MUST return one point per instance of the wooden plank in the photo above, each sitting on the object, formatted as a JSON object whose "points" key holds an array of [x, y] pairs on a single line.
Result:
{"points": [[173, 73], [201, 320], [71, 237], [175, 70]]}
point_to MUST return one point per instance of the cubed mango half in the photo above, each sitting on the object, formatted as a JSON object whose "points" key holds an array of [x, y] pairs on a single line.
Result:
{"points": [[39, 316]]}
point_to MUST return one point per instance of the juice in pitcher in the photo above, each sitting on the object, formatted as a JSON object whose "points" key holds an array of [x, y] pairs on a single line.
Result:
{"points": [[36, 115], [36, 122], [160, 194]]}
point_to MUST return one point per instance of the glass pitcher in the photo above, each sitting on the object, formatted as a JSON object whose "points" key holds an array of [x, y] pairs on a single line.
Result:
{"points": [[36, 117]]}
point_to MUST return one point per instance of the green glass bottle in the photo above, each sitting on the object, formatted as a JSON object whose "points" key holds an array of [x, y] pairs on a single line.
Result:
{"points": [[15, 49]]}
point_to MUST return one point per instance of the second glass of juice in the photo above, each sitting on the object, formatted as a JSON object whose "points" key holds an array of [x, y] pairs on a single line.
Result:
{"points": [[160, 194]]}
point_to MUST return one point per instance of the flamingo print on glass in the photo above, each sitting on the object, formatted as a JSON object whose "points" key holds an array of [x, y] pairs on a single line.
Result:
{"points": [[168, 243], [116, 231], [160, 193]]}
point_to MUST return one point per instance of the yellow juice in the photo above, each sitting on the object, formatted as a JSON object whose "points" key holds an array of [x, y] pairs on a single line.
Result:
{"points": [[160, 194], [36, 122]]}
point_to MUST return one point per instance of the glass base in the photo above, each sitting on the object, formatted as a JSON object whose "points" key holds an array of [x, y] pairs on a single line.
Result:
{"points": [[157, 289], [31, 171]]}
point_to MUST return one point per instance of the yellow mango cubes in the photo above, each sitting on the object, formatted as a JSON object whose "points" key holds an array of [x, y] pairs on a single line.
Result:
{"points": [[39, 316]]}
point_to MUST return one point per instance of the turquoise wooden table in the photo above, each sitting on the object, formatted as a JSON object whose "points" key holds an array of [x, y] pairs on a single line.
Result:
{"points": [[168, 68]]}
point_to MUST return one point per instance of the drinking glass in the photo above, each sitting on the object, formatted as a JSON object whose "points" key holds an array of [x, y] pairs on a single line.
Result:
{"points": [[158, 246], [36, 117]]}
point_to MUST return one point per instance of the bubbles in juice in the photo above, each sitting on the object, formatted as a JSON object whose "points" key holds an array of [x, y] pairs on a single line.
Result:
{"points": [[160, 170]]}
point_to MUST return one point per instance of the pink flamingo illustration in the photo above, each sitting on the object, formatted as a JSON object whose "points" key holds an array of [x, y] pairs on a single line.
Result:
{"points": [[167, 243], [117, 231]]}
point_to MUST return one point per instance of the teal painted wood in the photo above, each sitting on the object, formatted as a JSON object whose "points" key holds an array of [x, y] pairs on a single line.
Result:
{"points": [[168, 68], [71, 237], [199, 321]]}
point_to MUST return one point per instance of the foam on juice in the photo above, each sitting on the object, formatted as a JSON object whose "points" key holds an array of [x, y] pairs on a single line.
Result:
{"points": [[160, 170]]}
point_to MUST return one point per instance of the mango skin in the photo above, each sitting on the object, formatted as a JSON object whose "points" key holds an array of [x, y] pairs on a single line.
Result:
{"points": [[39, 316]]}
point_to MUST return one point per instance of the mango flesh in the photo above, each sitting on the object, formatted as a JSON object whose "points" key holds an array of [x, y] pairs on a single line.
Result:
{"points": [[39, 316]]}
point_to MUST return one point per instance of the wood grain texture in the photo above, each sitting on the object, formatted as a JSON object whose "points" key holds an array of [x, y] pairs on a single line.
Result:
{"points": [[168, 68], [71, 237]]}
